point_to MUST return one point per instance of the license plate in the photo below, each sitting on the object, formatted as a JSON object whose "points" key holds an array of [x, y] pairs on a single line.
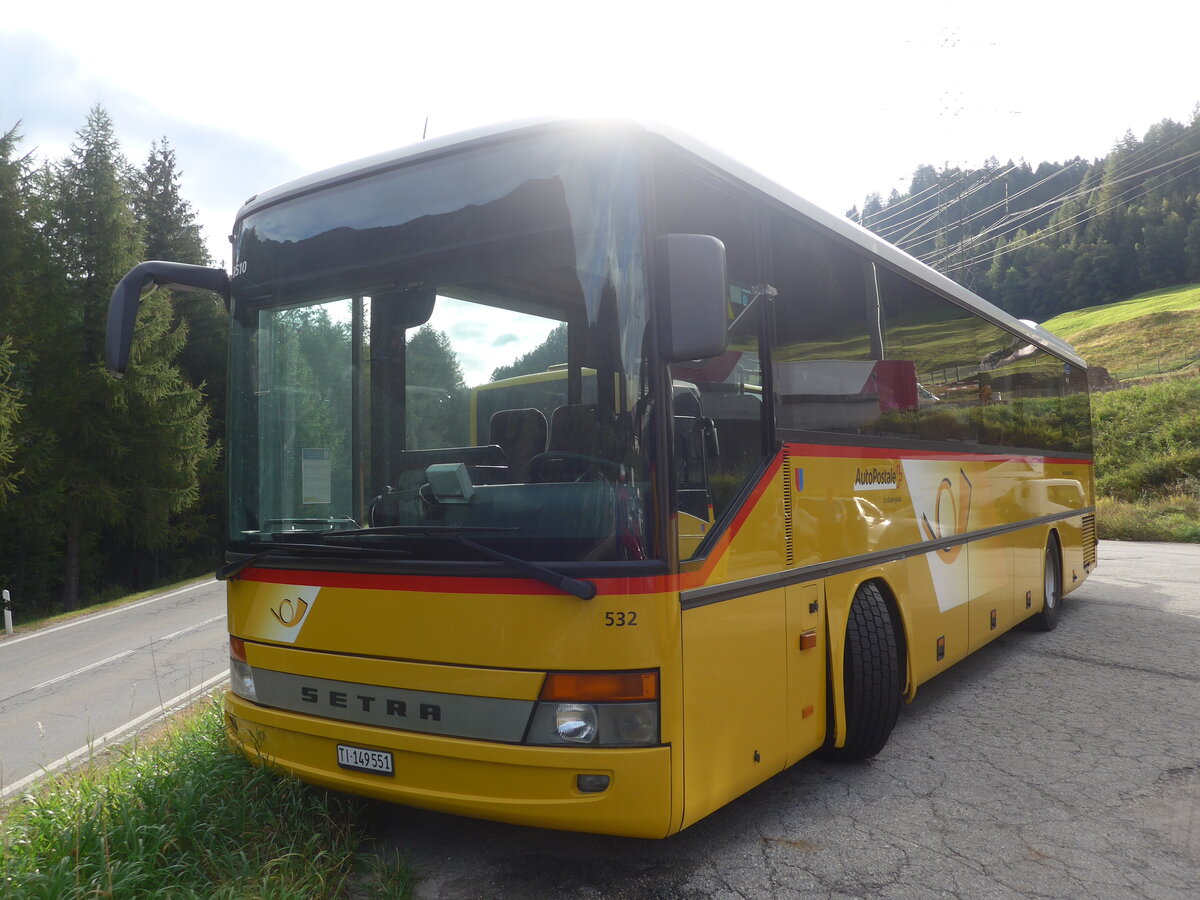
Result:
{"points": [[360, 759]]}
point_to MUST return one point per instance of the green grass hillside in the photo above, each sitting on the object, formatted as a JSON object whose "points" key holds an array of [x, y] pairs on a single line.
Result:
{"points": [[1148, 335], [1147, 434], [1147, 441]]}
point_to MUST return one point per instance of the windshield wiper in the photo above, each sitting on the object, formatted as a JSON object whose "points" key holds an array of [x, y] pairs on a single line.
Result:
{"points": [[584, 590]]}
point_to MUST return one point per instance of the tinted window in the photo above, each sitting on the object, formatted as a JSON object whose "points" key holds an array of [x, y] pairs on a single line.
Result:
{"points": [[826, 333]]}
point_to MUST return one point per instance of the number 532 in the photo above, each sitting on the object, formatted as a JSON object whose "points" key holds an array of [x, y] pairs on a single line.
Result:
{"points": [[619, 619]]}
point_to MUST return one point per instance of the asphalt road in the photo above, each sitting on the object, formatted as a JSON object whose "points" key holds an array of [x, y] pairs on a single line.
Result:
{"points": [[1045, 765], [70, 690]]}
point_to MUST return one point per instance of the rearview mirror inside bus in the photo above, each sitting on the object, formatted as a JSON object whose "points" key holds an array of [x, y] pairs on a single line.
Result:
{"points": [[410, 307], [693, 296]]}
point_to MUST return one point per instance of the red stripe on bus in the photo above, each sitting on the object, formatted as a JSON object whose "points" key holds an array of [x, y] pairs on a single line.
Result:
{"points": [[450, 584]]}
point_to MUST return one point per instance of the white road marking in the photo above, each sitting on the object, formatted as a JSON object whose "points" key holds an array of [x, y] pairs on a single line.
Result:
{"points": [[115, 657], [117, 733], [92, 618]]}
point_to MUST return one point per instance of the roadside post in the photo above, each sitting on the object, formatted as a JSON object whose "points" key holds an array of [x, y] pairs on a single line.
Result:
{"points": [[7, 612]]}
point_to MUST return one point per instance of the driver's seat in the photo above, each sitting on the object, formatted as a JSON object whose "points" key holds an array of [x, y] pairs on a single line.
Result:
{"points": [[521, 434], [577, 429]]}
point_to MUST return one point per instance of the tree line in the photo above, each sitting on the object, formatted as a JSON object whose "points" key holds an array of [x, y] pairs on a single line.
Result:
{"points": [[106, 484], [1061, 236]]}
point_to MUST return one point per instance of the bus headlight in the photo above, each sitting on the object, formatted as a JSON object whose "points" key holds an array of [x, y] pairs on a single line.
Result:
{"points": [[598, 709], [575, 722], [636, 723], [594, 724]]}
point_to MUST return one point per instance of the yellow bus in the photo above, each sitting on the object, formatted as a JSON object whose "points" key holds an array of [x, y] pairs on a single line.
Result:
{"points": [[788, 475]]}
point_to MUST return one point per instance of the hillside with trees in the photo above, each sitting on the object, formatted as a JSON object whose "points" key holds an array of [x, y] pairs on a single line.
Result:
{"points": [[1046, 239]]}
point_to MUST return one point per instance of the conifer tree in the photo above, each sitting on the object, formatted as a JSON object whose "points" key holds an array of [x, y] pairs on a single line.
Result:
{"points": [[10, 414], [167, 219], [129, 452], [170, 232], [11, 288], [30, 529]]}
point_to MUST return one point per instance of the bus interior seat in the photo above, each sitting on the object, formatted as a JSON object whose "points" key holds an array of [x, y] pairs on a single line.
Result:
{"points": [[578, 429], [581, 439], [521, 434]]}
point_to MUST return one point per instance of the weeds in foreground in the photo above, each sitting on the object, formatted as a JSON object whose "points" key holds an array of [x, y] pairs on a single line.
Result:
{"points": [[186, 817]]}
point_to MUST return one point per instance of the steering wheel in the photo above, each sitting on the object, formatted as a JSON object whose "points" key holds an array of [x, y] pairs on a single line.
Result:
{"points": [[558, 465]]}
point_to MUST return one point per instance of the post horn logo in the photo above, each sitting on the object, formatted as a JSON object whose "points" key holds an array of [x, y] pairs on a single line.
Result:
{"points": [[288, 613], [962, 513]]}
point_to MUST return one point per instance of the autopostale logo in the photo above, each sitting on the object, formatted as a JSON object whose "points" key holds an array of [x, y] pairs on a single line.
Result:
{"points": [[885, 477]]}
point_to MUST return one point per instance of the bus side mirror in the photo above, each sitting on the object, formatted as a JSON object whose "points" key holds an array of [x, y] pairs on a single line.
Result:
{"points": [[693, 294], [140, 280]]}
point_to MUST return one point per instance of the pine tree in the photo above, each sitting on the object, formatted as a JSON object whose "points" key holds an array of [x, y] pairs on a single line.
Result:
{"points": [[129, 452], [171, 233], [10, 415], [168, 221], [12, 240], [30, 529]]}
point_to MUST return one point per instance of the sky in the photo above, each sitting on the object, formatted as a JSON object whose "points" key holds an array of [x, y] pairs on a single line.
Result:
{"points": [[833, 101]]}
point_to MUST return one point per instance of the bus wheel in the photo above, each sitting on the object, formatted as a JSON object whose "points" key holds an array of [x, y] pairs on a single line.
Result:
{"points": [[1052, 593], [872, 677]]}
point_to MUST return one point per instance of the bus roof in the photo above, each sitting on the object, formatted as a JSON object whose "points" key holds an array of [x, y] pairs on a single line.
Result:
{"points": [[848, 231]]}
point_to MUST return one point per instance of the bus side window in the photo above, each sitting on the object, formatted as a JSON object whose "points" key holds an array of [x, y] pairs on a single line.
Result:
{"points": [[729, 386], [826, 352]]}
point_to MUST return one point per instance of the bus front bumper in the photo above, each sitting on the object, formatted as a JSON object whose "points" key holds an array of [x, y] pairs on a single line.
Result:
{"points": [[523, 785]]}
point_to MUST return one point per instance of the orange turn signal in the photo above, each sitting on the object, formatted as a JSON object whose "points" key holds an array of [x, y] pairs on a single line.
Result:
{"points": [[237, 648], [588, 687]]}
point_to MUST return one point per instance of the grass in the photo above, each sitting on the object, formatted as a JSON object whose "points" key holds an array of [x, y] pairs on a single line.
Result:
{"points": [[1173, 518], [186, 817], [1149, 335], [1147, 434], [1147, 448], [1178, 299], [1147, 441]]}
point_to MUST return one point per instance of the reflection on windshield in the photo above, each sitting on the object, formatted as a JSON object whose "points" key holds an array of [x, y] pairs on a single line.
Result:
{"points": [[475, 368]]}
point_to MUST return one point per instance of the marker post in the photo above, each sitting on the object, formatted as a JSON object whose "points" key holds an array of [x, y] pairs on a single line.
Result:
{"points": [[7, 612]]}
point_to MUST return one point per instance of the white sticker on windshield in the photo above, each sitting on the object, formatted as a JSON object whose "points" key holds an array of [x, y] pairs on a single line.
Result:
{"points": [[316, 476]]}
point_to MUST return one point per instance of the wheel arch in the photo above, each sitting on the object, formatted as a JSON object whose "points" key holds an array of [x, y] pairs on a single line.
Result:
{"points": [[837, 626]]}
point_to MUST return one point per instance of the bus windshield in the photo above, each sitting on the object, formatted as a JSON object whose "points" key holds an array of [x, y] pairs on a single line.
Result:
{"points": [[368, 314]]}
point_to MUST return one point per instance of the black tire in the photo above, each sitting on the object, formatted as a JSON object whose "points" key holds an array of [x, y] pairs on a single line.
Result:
{"points": [[872, 677], [1052, 587]]}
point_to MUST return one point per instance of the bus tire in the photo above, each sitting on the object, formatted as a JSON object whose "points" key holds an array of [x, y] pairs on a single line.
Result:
{"points": [[871, 676], [1052, 581]]}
